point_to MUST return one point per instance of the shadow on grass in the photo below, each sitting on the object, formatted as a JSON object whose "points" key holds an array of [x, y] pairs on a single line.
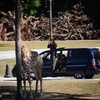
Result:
{"points": [[9, 93]]}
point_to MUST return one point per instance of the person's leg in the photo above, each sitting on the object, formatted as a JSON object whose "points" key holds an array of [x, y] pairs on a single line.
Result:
{"points": [[57, 66], [51, 58]]}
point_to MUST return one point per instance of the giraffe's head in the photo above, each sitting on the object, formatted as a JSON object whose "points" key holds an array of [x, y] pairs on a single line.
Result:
{"points": [[25, 52]]}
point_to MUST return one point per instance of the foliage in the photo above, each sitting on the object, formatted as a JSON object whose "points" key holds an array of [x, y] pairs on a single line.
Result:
{"points": [[57, 6], [30, 7], [41, 7], [7, 5]]}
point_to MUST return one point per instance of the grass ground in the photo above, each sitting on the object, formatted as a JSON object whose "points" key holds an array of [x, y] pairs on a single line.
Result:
{"points": [[10, 45], [10, 62], [58, 89]]}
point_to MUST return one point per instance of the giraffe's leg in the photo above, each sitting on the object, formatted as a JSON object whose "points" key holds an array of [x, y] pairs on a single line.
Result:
{"points": [[24, 82], [36, 85], [29, 81], [40, 78], [40, 83], [36, 76], [40, 66]]}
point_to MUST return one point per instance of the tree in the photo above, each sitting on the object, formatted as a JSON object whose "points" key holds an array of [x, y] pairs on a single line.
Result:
{"points": [[18, 48], [7, 5], [30, 7]]}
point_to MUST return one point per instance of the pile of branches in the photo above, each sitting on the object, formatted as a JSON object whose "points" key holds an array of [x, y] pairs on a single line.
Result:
{"points": [[73, 25]]}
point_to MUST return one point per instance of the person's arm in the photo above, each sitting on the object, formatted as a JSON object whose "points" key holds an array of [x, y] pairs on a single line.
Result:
{"points": [[48, 46]]}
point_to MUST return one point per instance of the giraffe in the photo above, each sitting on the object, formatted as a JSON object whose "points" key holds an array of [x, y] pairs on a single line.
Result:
{"points": [[31, 61]]}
